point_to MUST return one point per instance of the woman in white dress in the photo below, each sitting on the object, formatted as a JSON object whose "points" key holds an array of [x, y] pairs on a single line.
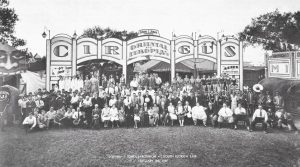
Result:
{"points": [[105, 115], [172, 113], [114, 116]]}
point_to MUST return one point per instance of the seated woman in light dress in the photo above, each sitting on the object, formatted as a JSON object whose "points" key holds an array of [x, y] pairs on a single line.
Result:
{"points": [[172, 113], [105, 115]]}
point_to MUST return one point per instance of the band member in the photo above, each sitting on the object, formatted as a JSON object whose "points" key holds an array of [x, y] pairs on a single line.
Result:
{"points": [[259, 116], [198, 113], [225, 115], [240, 114]]}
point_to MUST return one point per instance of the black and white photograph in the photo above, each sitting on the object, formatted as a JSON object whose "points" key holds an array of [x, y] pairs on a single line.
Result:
{"points": [[178, 83]]}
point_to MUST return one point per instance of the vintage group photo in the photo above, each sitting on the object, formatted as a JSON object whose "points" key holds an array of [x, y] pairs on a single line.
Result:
{"points": [[150, 83]]}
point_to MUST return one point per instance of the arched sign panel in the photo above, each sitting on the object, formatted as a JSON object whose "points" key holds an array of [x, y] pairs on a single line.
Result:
{"points": [[112, 50], [184, 48], [61, 49], [86, 49], [207, 46], [230, 59], [148, 47]]}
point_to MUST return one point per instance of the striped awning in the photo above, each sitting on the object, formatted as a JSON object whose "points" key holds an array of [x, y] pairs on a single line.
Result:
{"points": [[164, 67]]}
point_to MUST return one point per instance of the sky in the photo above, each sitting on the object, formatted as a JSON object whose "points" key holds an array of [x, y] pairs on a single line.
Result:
{"points": [[206, 17]]}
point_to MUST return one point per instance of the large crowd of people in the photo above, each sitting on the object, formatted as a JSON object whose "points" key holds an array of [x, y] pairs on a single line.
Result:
{"points": [[147, 101]]}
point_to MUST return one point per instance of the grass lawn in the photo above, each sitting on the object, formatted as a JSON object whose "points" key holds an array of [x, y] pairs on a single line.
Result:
{"points": [[162, 146]]}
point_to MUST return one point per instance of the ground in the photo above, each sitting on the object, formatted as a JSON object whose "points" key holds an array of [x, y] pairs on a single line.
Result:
{"points": [[153, 146]]}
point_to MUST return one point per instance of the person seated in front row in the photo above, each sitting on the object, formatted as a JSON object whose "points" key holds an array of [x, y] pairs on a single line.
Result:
{"points": [[105, 117], [29, 123], [83, 122], [67, 120], [180, 113], [96, 116], [114, 116], [240, 114], [225, 115], [198, 113], [58, 119], [42, 120], [136, 116], [76, 117], [154, 114], [259, 116], [286, 119], [212, 114], [171, 113], [50, 115]]}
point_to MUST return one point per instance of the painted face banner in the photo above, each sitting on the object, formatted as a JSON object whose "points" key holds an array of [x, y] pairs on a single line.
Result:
{"points": [[12, 61]]}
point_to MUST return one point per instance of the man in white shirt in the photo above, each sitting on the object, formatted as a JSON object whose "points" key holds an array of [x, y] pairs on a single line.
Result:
{"points": [[259, 116], [198, 113], [29, 122], [240, 114], [225, 115], [134, 84]]}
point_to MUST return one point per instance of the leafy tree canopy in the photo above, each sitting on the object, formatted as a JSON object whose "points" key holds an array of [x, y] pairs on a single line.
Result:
{"points": [[274, 29], [97, 32], [8, 19]]}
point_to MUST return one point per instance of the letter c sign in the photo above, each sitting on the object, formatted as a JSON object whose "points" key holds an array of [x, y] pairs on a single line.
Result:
{"points": [[185, 49], [61, 51]]}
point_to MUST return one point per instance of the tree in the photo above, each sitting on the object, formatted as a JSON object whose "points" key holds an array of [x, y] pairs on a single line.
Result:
{"points": [[107, 33], [8, 19], [273, 30]]}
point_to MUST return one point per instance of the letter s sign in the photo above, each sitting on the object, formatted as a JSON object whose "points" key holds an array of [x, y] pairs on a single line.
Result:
{"points": [[229, 51]]}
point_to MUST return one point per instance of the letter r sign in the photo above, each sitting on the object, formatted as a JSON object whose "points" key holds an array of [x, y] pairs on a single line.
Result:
{"points": [[111, 50]]}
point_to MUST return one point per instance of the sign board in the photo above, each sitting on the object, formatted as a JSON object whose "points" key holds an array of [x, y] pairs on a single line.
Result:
{"points": [[61, 71], [230, 69], [147, 48], [145, 32]]}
